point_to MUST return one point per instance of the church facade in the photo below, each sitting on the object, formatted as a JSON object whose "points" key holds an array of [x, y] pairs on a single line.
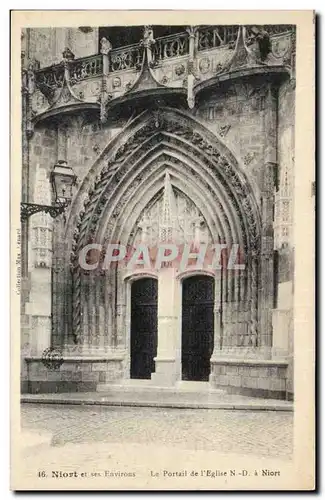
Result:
{"points": [[178, 138]]}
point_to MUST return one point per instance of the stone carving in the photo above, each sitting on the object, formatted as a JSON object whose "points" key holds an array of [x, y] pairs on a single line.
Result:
{"points": [[216, 36], [116, 82], [41, 222], [105, 46], [50, 79], [96, 148], [110, 176], [283, 197], [219, 68], [81, 70], [148, 38], [175, 46], [68, 55], [126, 58], [180, 70], [168, 222], [249, 157], [223, 130], [242, 56], [171, 217], [204, 65], [253, 337], [262, 37]]}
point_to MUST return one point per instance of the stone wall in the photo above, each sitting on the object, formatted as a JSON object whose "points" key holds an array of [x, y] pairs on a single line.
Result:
{"points": [[283, 335], [87, 138], [264, 379], [47, 44], [74, 375], [236, 114]]}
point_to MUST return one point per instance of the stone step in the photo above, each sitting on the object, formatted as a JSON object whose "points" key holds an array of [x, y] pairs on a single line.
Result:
{"points": [[145, 385], [193, 386], [161, 399]]}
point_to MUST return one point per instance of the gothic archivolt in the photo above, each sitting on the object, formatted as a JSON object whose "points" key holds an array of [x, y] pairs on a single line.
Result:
{"points": [[123, 174], [130, 174]]}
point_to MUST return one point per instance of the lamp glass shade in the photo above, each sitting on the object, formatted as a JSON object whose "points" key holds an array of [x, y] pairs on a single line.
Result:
{"points": [[63, 179]]}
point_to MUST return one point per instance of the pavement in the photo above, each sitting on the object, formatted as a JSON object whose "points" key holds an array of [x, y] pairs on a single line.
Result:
{"points": [[103, 442], [262, 433]]}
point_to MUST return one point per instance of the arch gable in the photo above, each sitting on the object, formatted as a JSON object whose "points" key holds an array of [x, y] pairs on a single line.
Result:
{"points": [[144, 135]]}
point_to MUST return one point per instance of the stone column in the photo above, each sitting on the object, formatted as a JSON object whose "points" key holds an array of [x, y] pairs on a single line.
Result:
{"points": [[217, 310], [254, 316], [168, 369], [192, 33], [108, 310], [120, 310], [105, 49], [266, 278], [40, 262], [59, 324]]}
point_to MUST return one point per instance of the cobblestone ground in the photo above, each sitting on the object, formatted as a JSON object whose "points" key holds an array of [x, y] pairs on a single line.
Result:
{"points": [[265, 434]]}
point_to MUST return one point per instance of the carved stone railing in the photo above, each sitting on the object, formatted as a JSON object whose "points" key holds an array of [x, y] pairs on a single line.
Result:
{"points": [[50, 78], [211, 37], [276, 29], [129, 57], [171, 46], [175, 60], [84, 68]]}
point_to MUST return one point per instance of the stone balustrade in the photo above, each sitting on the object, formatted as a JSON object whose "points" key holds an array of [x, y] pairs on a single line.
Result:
{"points": [[208, 38], [124, 58]]}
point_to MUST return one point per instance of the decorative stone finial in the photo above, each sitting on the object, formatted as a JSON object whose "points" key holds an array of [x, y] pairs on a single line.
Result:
{"points": [[148, 39], [192, 30], [168, 223]]}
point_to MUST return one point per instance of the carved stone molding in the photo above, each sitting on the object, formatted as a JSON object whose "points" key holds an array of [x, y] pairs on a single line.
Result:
{"points": [[116, 169]]}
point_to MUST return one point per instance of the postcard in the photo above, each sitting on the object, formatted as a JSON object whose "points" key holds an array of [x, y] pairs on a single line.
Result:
{"points": [[162, 250]]}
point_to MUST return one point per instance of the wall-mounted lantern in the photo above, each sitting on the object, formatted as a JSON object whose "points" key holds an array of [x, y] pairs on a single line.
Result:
{"points": [[62, 180]]}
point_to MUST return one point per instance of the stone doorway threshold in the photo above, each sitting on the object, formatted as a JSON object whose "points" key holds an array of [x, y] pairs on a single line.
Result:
{"points": [[142, 393]]}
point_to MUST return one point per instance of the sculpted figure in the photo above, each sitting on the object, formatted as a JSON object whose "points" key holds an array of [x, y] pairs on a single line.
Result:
{"points": [[105, 46]]}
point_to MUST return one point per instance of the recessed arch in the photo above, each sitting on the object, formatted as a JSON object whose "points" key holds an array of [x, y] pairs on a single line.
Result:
{"points": [[111, 154], [130, 173]]}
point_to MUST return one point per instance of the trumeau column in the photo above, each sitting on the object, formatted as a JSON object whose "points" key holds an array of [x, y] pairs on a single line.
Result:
{"points": [[40, 262], [167, 371], [168, 358]]}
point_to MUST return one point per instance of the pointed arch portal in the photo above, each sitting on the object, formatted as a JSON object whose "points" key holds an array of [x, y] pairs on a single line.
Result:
{"points": [[160, 148]]}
